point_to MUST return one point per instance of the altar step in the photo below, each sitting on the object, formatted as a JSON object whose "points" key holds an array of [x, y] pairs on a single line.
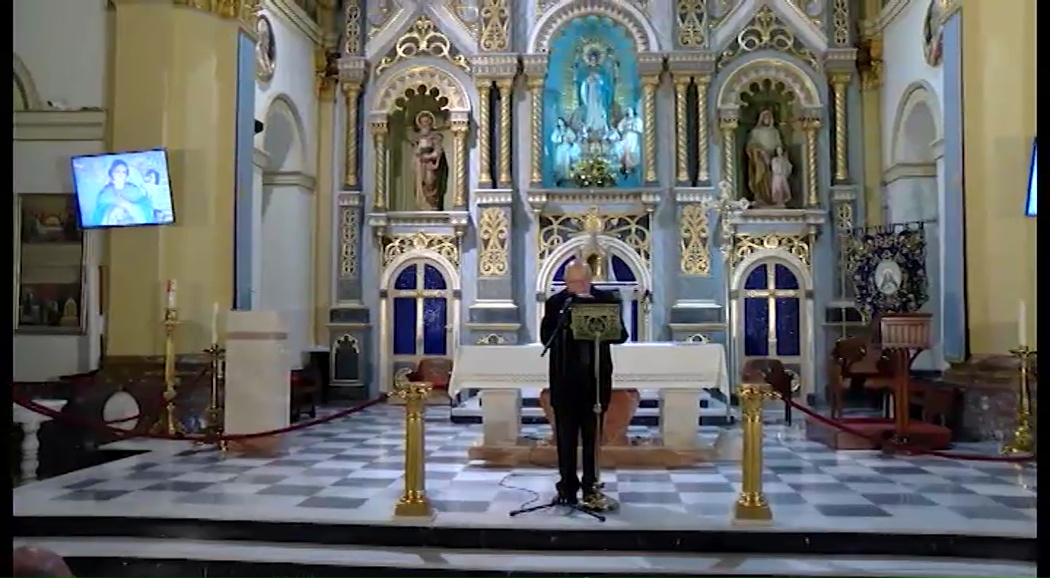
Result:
{"points": [[713, 409]]}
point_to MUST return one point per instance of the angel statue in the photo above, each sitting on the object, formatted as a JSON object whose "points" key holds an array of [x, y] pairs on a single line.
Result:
{"points": [[429, 163], [629, 145]]}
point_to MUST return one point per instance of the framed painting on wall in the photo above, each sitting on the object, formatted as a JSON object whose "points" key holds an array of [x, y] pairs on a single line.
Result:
{"points": [[50, 269]]}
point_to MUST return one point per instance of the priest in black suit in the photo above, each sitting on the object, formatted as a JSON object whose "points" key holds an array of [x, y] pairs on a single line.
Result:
{"points": [[572, 381]]}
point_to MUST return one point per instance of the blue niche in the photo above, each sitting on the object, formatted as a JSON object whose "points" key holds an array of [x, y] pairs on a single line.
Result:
{"points": [[591, 102], [420, 311], [772, 302]]}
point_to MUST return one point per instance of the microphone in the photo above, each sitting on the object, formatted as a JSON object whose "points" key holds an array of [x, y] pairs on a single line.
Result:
{"points": [[568, 304]]}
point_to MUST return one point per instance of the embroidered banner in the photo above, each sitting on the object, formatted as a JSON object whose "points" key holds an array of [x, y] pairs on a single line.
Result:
{"points": [[889, 269]]}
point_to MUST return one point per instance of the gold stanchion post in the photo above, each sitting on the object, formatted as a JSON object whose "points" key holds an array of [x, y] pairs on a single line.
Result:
{"points": [[1023, 440], [168, 422], [214, 414], [414, 501], [751, 504]]}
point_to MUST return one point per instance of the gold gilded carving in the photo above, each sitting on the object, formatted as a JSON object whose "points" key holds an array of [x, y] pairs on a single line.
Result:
{"points": [[631, 228], [767, 32], [810, 127], [351, 96], [505, 85], [492, 339], [649, 84], [844, 217], [494, 230], [392, 89], [380, 17], [839, 82], [869, 63], [348, 228], [352, 29], [681, 86], [569, 11], [246, 11], [746, 244], [484, 128], [379, 131], [536, 118], [423, 39], [690, 23], [840, 22], [466, 12], [326, 70], [694, 228], [703, 173], [728, 126], [495, 26], [459, 178], [446, 246]]}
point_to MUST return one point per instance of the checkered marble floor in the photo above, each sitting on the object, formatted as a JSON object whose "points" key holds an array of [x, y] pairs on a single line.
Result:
{"points": [[349, 471]]}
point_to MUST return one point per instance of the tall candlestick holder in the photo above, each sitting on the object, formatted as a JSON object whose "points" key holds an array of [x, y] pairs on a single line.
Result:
{"points": [[168, 422], [214, 414], [1023, 439]]}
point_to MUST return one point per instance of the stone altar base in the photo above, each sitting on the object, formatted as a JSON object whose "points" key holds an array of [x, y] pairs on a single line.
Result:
{"points": [[926, 436], [543, 454]]}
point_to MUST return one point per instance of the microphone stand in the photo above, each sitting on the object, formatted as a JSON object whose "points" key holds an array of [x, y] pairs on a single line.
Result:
{"points": [[557, 335]]}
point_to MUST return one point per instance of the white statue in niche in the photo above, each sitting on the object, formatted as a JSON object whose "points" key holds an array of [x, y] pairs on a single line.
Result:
{"points": [[780, 187], [629, 146], [762, 144], [566, 149]]}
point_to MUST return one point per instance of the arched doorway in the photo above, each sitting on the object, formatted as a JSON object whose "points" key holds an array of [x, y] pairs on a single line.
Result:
{"points": [[914, 193], [420, 315], [773, 318]]}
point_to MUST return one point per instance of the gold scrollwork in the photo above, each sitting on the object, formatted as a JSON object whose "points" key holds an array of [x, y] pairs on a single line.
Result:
{"points": [[492, 339], [632, 229], [694, 228], [745, 244], [844, 217], [446, 246], [423, 38], [690, 23], [466, 12], [352, 29], [495, 26], [493, 230], [348, 230], [840, 22], [767, 32], [869, 63], [244, 10]]}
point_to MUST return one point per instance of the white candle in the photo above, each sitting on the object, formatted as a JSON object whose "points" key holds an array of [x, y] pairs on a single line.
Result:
{"points": [[1022, 324], [215, 324], [170, 292]]}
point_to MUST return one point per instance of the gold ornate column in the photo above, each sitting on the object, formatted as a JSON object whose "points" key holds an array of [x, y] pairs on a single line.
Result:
{"points": [[505, 86], [649, 84], [703, 172], [351, 96], [839, 83], [379, 131], [536, 121], [810, 127], [484, 130], [728, 127], [681, 88], [459, 166]]}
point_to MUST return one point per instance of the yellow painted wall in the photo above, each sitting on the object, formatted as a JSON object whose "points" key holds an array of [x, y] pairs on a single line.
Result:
{"points": [[174, 86], [999, 103]]}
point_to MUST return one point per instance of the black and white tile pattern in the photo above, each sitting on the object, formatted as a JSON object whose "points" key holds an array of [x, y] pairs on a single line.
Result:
{"points": [[350, 471]]}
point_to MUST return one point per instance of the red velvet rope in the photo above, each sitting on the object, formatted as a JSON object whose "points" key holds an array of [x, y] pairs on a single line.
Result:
{"points": [[206, 439], [889, 445]]}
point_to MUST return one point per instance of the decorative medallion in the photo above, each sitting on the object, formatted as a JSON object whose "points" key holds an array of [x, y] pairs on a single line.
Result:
{"points": [[888, 277], [265, 49], [933, 34]]}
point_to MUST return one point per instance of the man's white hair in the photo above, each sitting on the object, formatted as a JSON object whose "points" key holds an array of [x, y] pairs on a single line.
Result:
{"points": [[581, 265]]}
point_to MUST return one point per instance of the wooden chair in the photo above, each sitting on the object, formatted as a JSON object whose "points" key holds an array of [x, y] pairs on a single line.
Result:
{"points": [[305, 394], [771, 371], [856, 362]]}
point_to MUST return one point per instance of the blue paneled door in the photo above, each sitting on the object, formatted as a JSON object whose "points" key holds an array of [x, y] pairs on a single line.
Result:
{"points": [[771, 314], [421, 310]]}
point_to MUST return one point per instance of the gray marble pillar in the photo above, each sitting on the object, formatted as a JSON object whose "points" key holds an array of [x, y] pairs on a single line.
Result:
{"points": [[349, 322], [494, 316]]}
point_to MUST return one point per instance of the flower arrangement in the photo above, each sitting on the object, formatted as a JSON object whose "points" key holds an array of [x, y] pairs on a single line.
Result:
{"points": [[593, 172]]}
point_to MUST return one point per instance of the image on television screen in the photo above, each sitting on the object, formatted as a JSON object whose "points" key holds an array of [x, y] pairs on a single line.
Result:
{"points": [[1033, 182], [128, 189]]}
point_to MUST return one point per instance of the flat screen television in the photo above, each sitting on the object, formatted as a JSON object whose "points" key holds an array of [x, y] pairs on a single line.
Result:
{"points": [[129, 189], [1033, 181]]}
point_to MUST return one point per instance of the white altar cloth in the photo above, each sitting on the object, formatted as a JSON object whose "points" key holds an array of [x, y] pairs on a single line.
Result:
{"points": [[679, 371]]}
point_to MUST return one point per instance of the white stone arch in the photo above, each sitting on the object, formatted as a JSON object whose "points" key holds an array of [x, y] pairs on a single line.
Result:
{"points": [[398, 264], [25, 87], [283, 136], [624, 13], [738, 80], [916, 124], [611, 246], [807, 325], [451, 82]]}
